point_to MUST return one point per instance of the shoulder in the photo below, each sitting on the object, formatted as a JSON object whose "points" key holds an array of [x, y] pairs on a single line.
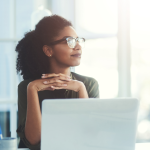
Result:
{"points": [[22, 95], [85, 79], [22, 92], [23, 84], [90, 83]]}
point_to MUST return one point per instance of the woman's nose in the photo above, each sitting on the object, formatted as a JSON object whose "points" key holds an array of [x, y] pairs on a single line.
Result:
{"points": [[78, 46]]}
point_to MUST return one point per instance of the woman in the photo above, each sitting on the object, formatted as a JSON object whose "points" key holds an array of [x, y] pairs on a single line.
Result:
{"points": [[45, 56]]}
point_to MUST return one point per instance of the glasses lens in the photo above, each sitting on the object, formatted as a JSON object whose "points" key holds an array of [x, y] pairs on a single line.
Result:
{"points": [[71, 42], [81, 42]]}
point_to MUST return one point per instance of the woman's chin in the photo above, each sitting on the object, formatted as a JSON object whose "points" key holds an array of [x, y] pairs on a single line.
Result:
{"points": [[75, 64]]}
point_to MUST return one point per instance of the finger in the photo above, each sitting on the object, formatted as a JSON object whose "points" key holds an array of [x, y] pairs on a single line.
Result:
{"points": [[60, 84], [55, 75], [50, 88], [49, 75], [55, 84], [56, 80], [61, 79], [56, 87]]}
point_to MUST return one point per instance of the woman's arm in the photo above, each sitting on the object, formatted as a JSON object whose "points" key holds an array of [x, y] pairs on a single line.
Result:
{"points": [[33, 116]]}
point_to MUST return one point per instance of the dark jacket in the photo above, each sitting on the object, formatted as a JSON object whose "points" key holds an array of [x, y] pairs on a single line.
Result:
{"points": [[92, 88]]}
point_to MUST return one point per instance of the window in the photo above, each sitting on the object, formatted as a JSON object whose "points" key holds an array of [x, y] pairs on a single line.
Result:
{"points": [[97, 21], [140, 64], [15, 21], [98, 24]]}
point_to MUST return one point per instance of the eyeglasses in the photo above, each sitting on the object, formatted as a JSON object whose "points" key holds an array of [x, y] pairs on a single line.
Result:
{"points": [[70, 41]]}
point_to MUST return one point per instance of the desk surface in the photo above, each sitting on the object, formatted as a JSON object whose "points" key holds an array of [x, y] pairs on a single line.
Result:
{"points": [[138, 146]]}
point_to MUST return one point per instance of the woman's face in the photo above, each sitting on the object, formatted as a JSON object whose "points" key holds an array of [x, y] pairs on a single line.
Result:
{"points": [[62, 54]]}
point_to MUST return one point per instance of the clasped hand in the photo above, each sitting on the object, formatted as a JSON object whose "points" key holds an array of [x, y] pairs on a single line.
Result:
{"points": [[56, 81]]}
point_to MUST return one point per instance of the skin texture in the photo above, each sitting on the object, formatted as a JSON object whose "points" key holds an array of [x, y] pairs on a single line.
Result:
{"points": [[58, 78], [61, 59]]}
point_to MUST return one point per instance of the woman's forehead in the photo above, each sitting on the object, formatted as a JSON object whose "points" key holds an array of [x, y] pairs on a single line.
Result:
{"points": [[67, 32]]}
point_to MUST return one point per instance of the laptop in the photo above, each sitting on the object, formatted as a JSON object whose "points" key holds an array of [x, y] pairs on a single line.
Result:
{"points": [[89, 124]]}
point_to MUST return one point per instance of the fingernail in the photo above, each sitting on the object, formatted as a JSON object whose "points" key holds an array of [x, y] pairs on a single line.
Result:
{"points": [[64, 84], [43, 74], [43, 77], [45, 82]]}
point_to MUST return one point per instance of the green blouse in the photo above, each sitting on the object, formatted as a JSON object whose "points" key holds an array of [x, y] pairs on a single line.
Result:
{"points": [[90, 83]]}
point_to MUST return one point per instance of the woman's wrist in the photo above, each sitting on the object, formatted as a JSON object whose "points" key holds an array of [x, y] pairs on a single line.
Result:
{"points": [[81, 86], [82, 91], [32, 87]]}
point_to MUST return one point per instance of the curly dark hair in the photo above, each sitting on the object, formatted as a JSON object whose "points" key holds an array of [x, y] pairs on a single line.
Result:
{"points": [[31, 60]]}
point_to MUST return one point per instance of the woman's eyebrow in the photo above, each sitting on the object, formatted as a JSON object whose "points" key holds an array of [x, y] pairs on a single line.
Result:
{"points": [[68, 36]]}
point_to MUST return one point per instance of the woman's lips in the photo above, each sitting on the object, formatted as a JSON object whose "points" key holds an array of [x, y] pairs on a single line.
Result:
{"points": [[76, 55]]}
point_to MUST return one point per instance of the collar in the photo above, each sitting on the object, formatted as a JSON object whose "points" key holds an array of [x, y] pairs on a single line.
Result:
{"points": [[72, 77]]}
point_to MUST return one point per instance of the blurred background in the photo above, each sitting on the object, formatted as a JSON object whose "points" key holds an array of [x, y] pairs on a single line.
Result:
{"points": [[116, 53]]}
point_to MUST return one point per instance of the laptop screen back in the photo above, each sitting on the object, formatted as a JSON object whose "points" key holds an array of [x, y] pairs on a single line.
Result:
{"points": [[89, 124]]}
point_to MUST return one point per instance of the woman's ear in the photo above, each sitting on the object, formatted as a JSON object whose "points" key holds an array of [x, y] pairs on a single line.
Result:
{"points": [[47, 50]]}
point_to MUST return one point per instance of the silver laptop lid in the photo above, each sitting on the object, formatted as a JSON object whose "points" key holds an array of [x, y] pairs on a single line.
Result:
{"points": [[89, 124]]}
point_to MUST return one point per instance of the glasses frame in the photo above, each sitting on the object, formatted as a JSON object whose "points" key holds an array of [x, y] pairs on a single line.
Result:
{"points": [[67, 38]]}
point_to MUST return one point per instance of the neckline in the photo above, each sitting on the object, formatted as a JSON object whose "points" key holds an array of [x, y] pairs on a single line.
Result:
{"points": [[71, 75]]}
